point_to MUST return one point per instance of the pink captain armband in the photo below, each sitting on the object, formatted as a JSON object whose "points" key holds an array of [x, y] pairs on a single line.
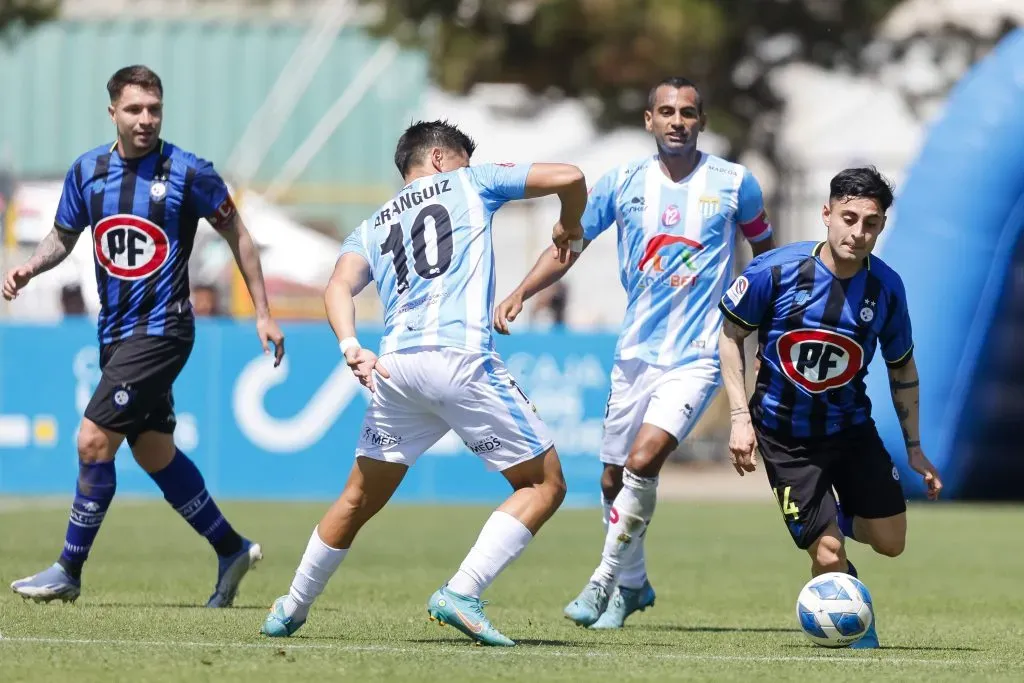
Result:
{"points": [[758, 229]]}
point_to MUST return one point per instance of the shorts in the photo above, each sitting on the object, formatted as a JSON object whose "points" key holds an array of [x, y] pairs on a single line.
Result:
{"points": [[670, 398], [804, 473], [134, 392], [434, 389]]}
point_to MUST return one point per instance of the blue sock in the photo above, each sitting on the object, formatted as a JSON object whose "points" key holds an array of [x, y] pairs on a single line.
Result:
{"points": [[852, 571], [93, 493], [845, 523], [185, 490]]}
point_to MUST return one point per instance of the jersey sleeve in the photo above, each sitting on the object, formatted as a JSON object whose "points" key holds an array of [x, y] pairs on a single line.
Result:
{"points": [[210, 197], [500, 183], [71, 211], [600, 211], [750, 214], [896, 338], [355, 243], [749, 298]]}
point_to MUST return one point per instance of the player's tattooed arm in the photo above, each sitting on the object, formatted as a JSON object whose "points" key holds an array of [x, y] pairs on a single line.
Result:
{"points": [[247, 256], [53, 249], [905, 387]]}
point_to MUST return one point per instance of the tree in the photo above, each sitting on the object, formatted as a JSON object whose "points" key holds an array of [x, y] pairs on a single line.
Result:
{"points": [[610, 51], [22, 14]]}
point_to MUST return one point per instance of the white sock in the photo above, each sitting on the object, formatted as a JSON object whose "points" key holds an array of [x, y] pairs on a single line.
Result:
{"points": [[606, 508], [630, 515], [318, 564], [501, 540], [634, 570]]}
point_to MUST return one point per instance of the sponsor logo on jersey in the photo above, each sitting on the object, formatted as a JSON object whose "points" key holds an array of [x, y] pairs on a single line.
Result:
{"points": [[661, 245], [636, 205], [818, 360], [130, 247], [737, 290], [671, 216], [222, 217]]}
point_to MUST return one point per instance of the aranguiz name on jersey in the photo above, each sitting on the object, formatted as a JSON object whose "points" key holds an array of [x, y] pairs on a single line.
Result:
{"points": [[407, 200], [818, 360], [130, 247]]}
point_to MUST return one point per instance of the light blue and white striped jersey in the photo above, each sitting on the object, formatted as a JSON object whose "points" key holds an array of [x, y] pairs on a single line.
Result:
{"points": [[675, 251], [431, 255]]}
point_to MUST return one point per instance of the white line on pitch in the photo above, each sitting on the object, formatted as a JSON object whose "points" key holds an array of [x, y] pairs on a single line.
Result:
{"points": [[292, 645]]}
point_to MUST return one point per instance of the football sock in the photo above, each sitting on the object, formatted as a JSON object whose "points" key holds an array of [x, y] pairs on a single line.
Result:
{"points": [[606, 510], [845, 522], [634, 571], [93, 494], [629, 518], [318, 564], [183, 487], [501, 541]]}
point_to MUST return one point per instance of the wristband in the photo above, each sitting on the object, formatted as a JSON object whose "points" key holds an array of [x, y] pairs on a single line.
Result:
{"points": [[349, 343]]}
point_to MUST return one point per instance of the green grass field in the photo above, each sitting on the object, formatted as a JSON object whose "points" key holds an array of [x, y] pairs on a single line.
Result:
{"points": [[727, 577]]}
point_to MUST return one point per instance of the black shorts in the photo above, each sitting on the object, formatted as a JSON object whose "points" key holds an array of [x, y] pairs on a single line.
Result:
{"points": [[804, 473], [134, 393]]}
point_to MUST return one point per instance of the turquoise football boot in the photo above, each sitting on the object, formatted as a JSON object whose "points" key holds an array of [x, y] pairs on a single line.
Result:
{"points": [[277, 624], [624, 602], [589, 605], [467, 615]]}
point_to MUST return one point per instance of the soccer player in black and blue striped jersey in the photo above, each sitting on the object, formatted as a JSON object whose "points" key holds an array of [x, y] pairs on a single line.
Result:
{"points": [[144, 198], [819, 310]]}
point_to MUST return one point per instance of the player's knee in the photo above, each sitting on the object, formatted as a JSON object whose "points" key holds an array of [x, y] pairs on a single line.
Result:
{"points": [[93, 444], [554, 490], [890, 546]]}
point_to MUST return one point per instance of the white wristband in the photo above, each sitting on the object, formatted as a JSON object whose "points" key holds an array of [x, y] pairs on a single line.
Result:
{"points": [[349, 343], [576, 246]]}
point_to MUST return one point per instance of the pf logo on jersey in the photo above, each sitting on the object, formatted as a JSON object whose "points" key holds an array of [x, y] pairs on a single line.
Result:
{"points": [[130, 247], [818, 360]]}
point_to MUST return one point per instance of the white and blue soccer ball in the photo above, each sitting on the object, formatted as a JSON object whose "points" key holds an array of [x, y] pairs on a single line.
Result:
{"points": [[834, 610]]}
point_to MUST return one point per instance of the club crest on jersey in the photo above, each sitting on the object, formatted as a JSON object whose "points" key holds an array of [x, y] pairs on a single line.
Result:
{"points": [[709, 206], [129, 247], [157, 191], [819, 360], [671, 216], [867, 311], [801, 297]]}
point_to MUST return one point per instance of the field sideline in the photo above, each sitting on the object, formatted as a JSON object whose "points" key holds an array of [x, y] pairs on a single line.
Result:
{"points": [[726, 575]]}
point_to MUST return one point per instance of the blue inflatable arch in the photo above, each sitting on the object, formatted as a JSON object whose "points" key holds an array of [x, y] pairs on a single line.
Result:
{"points": [[954, 231]]}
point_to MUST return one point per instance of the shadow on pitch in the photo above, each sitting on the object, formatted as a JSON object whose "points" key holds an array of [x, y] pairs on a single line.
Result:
{"points": [[525, 641], [711, 629], [894, 648], [187, 605]]}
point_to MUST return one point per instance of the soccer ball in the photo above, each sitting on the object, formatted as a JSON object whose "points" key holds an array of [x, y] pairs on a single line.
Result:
{"points": [[834, 610]]}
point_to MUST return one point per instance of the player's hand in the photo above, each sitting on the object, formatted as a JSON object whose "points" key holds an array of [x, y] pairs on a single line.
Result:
{"points": [[742, 444], [506, 312], [562, 236], [269, 333], [15, 281], [363, 363], [920, 463]]}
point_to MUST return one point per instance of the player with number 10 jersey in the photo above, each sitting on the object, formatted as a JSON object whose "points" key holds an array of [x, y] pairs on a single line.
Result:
{"points": [[429, 250]]}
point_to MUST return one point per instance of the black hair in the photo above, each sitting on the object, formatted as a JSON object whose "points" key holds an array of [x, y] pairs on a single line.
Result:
{"points": [[422, 135], [139, 75], [862, 182], [675, 82]]}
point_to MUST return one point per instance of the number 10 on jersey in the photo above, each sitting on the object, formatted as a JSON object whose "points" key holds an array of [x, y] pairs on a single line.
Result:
{"points": [[442, 243]]}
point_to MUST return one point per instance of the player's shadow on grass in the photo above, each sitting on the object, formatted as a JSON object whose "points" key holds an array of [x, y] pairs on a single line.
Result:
{"points": [[896, 648], [187, 605], [712, 629], [525, 641]]}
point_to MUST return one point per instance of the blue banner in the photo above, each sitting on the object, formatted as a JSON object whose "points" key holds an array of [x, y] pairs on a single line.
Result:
{"points": [[260, 432]]}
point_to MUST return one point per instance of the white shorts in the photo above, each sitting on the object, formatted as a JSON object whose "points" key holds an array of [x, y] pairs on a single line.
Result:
{"points": [[434, 389], [670, 398]]}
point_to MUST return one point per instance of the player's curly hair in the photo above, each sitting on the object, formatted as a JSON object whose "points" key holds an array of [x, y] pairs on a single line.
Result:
{"points": [[422, 135], [862, 182], [137, 74]]}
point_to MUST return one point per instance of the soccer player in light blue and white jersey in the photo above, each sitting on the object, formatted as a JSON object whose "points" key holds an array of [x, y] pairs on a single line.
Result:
{"points": [[429, 250], [677, 214]]}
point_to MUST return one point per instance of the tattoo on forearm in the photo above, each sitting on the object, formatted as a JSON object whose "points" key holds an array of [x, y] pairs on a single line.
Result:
{"points": [[53, 249], [739, 411], [900, 386]]}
